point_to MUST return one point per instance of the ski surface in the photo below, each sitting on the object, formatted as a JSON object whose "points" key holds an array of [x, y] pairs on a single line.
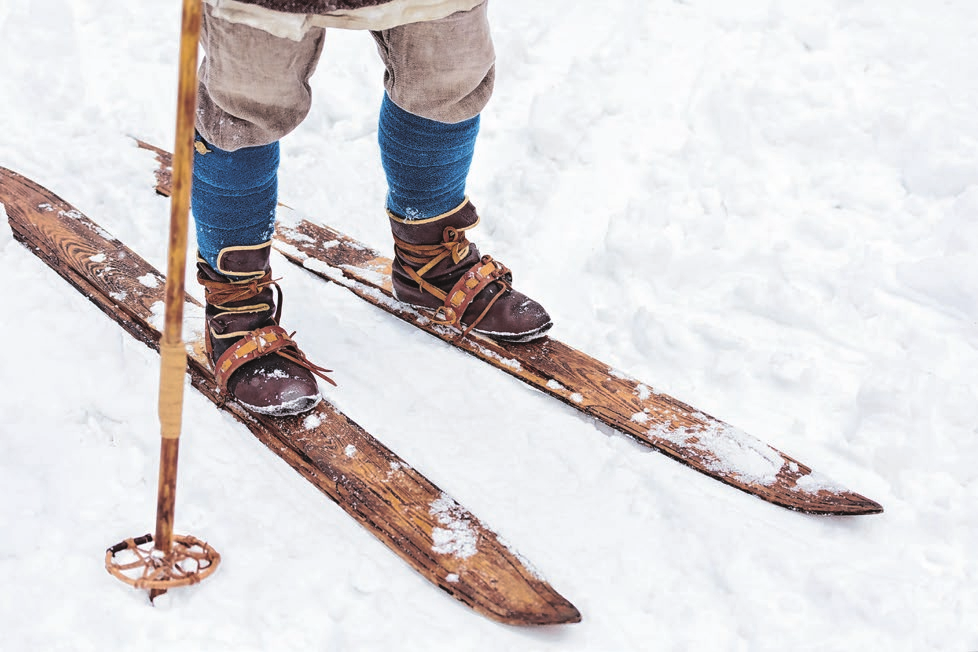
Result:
{"points": [[427, 528], [632, 407]]}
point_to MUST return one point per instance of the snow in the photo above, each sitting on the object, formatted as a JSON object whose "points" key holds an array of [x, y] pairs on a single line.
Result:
{"points": [[149, 280], [728, 450], [763, 208], [459, 538]]}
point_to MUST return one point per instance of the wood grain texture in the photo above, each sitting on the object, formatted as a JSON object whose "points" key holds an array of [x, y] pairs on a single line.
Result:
{"points": [[391, 499], [630, 406], [173, 360]]}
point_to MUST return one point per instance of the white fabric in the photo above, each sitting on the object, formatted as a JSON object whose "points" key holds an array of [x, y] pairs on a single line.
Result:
{"points": [[295, 26]]}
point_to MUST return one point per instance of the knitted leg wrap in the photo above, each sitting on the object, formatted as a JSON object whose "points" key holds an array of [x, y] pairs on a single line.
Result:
{"points": [[233, 197], [426, 162]]}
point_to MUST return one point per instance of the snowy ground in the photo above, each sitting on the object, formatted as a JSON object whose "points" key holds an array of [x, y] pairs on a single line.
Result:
{"points": [[765, 208]]}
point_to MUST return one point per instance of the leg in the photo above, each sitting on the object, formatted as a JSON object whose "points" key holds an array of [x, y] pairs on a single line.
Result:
{"points": [[253, 90], [439, 76]]}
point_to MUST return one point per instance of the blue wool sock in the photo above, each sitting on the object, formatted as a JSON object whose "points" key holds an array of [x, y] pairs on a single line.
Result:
{"points": [[426, 161], [233, 197]]}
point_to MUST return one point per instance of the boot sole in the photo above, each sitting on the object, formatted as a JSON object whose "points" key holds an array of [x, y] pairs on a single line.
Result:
{"points": [[513, 338], [517, 338], [292, 408]]}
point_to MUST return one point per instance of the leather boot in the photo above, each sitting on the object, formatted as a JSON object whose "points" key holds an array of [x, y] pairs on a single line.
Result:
{"points": [[437, 268], [255, 360]]}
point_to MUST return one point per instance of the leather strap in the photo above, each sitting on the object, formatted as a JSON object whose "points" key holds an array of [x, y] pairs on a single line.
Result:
{"points": [[467, 288], [454, 244], [218, 293], [259, 343]]}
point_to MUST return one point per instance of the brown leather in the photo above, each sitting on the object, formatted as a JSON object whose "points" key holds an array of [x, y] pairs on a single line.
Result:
{"points": [[243, 310], [468, 288], [433, 264], [262, 342]]}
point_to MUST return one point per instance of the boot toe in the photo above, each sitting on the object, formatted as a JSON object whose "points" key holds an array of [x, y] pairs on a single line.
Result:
{"points": [[276, 386], [514, 318]]}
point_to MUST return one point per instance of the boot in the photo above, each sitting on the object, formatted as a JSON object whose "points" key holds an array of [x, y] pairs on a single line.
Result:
{"points": [[255, 360], [437, 268]]}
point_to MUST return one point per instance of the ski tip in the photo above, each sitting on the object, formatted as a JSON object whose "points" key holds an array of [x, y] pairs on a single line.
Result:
{"points": [[565, 614], [865, 505], [502, 586], [557, 611], [842, 503], [571, 616]]}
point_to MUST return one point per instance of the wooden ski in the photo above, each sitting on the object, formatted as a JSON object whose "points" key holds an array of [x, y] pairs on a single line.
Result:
{"points": [[434, 534], [632, 407]]}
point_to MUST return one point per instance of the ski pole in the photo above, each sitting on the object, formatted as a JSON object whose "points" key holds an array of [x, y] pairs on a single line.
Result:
{"points": [[173, 560]]}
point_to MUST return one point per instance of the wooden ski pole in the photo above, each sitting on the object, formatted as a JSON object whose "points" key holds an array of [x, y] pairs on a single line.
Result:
{"points": [[173, 355], [174, 561]]}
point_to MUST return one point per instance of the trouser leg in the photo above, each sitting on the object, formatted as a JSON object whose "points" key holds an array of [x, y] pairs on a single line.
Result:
{"points": [[254, 87], [442, 70]]}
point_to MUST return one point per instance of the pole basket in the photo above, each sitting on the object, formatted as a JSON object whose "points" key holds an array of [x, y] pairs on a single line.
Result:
{"points": [[137, 563]]}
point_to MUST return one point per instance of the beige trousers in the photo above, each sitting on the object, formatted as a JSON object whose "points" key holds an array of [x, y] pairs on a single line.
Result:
{"points": [[254, 87]]}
